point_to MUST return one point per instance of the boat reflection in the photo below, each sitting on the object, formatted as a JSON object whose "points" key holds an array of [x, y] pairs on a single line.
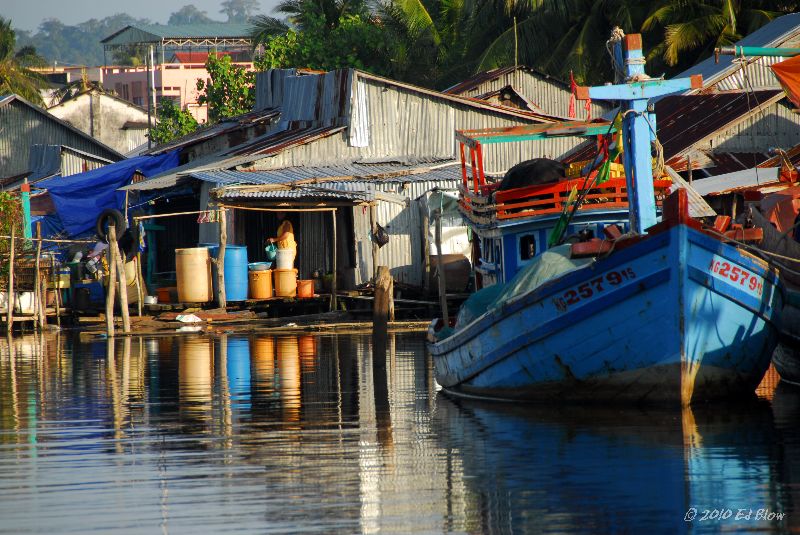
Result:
{"points": [[612, 471]]}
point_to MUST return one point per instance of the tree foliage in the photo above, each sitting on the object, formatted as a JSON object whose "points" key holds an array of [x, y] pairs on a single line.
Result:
{"points": [[354, 41], [173, 122], [189, 14], [239, 10], [230, 90], [15, 76]]}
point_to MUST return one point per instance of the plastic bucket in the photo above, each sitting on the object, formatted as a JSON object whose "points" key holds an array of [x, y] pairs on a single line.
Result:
{"points": [[193, 273], [260, 284], [285, 282], [305, 288], [285, 258], [235, 272]]}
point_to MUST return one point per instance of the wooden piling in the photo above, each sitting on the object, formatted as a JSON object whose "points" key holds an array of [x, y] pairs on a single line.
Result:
{"points": [[57, 290], [122, 278], [383, 309], [10, 303], [440, 269], [223, 238], [426, 250], [112, 275]]}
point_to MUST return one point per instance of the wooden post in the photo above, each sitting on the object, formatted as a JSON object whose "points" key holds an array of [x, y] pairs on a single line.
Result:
{"points": [[39, 312], [223, 238], [57, 290], [440, 268], [123, 281], [426, 249], [140, 274], [381, 307], [10, 304], [333, 282], [112, 276], [139, 296], [373, 223]]}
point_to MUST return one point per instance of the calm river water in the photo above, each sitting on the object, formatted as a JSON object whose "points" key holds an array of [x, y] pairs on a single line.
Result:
{"points": [[309, 434]]}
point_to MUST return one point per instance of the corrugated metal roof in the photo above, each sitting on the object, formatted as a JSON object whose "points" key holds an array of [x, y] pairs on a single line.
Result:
{"points": [[698, 207], [223, 127], [739, 180], [24, 124], [156, 32], [385, 172], [478, 79], [685, 120], [772, 34]]}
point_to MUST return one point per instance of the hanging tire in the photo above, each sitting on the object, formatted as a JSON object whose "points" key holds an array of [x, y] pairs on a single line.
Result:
{"points": [[129, 243], [105, 218]]}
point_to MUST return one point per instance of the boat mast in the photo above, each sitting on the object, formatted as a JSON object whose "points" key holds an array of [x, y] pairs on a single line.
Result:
{"points": [[638, 125]]}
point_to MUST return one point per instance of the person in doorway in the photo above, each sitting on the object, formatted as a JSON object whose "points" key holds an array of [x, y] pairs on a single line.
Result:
{"points": [[285, 237]]}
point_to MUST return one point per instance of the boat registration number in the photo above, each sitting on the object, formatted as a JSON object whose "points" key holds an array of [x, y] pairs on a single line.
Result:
{"points": [[593, 287], [724, 270]]}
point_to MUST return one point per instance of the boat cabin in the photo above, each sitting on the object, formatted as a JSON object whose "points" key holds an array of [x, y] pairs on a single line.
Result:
{"points": [[512, 226]]}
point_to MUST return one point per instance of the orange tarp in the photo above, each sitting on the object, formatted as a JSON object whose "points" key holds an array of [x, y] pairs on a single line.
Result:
{"points": [[788, 74]]}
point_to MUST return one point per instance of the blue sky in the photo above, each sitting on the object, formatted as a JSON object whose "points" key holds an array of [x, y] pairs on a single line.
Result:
{"points": [[27, 14]]}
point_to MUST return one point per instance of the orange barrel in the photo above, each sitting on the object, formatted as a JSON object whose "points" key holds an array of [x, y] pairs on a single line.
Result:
{"points": [[285, 282], [305, 288], [260, 283]]}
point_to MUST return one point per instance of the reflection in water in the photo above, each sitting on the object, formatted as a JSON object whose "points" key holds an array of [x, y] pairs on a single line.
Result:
{"points": [[317, 433]]}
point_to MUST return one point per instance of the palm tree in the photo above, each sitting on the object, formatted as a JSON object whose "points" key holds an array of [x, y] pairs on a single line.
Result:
{"points": [[693, 28], [14, 76]]}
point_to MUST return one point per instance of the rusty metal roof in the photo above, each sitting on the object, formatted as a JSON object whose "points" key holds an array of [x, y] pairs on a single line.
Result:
{"points": [[223, 127], [686, 120], [476, 80]]}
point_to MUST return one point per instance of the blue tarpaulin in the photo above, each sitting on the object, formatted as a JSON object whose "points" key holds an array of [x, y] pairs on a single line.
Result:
{"points": [[79, 199]]}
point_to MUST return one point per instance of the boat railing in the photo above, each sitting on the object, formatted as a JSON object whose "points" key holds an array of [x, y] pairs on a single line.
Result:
{"points": [[489, 203]]}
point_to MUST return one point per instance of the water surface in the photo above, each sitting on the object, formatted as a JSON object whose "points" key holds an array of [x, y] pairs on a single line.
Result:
{"points": [[312, 434]]}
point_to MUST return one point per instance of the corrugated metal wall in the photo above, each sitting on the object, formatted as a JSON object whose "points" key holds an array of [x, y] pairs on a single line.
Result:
{"points": [[406, 125], [777, 126], [403, 254], [21, 127], [73, 163], [550, 95]]}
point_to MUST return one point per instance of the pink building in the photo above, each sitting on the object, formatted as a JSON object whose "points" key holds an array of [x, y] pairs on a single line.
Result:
{"points": [[180, 53], [176, 81]]}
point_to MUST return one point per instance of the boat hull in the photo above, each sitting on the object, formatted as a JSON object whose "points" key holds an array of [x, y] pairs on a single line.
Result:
{"points": [[676, 318]]}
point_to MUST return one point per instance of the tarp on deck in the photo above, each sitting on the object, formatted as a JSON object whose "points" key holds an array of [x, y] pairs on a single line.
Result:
{"points": [[79, 199]]}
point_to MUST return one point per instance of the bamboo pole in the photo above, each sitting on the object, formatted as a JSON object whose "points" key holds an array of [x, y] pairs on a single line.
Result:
{"points": [[123, 281], [112, 275], [223, 238], [333, 282], [140, 274], [440, 269], [10, 304], [373, 223], [37, 282], [46, 240]]}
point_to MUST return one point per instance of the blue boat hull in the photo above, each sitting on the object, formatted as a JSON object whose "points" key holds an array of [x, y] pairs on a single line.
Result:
{"points": [[678, 317]]}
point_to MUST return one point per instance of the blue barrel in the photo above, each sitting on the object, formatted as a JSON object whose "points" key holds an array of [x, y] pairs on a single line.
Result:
{"points": [[238, 365], [235, 271]]}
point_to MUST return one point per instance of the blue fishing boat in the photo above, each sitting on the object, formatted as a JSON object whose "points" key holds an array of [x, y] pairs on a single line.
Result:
{"points": [[669, 311]]}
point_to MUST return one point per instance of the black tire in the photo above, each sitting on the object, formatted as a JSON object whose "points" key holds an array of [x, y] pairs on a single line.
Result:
{"points": [[104, 220], [129, 243]]}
